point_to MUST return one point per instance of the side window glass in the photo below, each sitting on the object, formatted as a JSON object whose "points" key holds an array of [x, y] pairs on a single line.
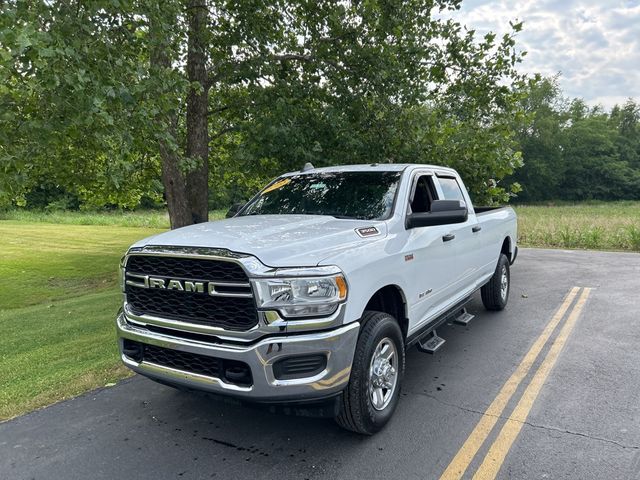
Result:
{"points": [[422, 195], [450, 188]]}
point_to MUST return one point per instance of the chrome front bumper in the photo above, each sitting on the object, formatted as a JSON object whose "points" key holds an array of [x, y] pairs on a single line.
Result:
{"points": [[338, 345]]}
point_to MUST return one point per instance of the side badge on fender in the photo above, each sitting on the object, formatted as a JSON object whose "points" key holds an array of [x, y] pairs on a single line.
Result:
{"points": [[424, 294]]}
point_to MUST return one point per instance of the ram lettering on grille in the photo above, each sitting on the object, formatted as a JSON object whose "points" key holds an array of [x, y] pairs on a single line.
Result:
{"points": [[202, 291]]}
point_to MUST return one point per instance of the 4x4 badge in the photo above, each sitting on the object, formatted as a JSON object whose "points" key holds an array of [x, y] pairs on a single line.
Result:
{"points": [[367, 231]]}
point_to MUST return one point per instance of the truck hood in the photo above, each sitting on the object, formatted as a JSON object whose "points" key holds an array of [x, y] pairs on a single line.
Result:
{"points": [[277, 240]]}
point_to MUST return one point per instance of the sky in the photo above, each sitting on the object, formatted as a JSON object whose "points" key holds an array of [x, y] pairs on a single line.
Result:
{"points": [[594, 45]]}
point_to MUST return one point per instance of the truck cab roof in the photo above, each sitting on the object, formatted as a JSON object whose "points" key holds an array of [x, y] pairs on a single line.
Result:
{"points": [[371, 167]]}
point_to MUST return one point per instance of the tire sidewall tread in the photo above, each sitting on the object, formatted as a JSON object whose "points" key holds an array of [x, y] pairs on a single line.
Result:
{"points": [[357, 413], [490, 292]]}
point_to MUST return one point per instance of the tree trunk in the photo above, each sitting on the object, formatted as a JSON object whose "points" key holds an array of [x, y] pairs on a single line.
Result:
{"points": [[197, 148], [175, 187], [175, 190]]}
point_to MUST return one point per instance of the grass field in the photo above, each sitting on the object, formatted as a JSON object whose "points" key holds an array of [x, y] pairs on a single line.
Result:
{"points": [[145, 218], [594, 226], [59, 295], [58, 299]]}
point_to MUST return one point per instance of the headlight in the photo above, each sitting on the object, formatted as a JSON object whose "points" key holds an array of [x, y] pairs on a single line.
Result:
{"points": [[301, 297]]}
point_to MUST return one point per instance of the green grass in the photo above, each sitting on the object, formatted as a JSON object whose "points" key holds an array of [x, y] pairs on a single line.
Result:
{"points": [[58, 300], [56, 351], [144, 218], [59, 294], [42, 263], [589, 225]]}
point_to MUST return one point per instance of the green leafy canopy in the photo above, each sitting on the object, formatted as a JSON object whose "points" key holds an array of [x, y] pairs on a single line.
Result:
{"points": [[86, 108]]}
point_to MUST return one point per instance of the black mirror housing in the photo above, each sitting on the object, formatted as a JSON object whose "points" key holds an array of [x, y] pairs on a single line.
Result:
{"points": [[443, 212]]}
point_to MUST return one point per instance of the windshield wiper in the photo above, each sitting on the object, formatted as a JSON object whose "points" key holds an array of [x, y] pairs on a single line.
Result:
{"points": [[340, 216]]}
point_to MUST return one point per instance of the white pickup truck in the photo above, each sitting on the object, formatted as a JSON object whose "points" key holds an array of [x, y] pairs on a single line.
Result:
{"points": [[310, 295]]}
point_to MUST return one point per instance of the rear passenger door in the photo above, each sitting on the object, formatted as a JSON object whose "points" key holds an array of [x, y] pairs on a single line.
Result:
{"points": [[466, 235]]}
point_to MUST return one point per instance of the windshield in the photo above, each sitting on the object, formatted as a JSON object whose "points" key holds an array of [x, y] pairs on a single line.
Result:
{"points": [[361, 195]]}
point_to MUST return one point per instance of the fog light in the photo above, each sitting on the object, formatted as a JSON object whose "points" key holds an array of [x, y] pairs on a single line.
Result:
{"points": [[300, 366]]}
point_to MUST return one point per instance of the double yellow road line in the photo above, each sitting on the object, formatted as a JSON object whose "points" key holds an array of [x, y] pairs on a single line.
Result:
{"points": [[496, 454]]}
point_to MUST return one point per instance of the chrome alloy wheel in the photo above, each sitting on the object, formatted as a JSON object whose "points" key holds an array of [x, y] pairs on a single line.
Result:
{"points": [[504, 283], [383, 374]]}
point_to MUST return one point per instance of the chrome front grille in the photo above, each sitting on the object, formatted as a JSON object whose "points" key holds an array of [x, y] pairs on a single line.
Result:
{"points": [[190, 268], [209, 292]]}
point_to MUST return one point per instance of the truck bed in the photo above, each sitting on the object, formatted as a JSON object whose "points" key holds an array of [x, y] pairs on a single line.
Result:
{"points": [[481, 210]]}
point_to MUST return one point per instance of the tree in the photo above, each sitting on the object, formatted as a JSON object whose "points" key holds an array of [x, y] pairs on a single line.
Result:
{"points": [[575, 152], [401, 87], [104, 97], [74, 103], [541, 141], [626, 120]]}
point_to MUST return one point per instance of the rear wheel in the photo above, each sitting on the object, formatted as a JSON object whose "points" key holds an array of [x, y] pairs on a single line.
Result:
{"points": [[376, 374], [495, 293]]}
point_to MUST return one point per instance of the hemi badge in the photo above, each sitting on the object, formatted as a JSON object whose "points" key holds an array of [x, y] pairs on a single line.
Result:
{"points": [[408, 258], [367, 231]]}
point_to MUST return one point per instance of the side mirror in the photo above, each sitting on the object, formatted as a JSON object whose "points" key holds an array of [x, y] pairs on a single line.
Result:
{"points": [[442, 212], [235, 208]]}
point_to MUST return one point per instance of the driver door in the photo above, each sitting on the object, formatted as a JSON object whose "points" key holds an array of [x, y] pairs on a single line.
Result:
{"points": [[431, 256]]}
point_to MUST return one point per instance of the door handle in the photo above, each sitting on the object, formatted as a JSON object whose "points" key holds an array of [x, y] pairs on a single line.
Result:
{"points": [[476, 229], [448, 237]]}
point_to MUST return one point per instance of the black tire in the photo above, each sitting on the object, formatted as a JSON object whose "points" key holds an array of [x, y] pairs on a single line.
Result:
{"points": [[357, 410], [494, 296]]}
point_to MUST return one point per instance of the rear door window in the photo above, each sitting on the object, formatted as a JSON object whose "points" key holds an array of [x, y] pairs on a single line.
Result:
{"points": [[450, 188]]}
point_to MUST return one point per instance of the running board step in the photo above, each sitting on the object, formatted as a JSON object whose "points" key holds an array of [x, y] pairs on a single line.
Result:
{"points": [[431, 343], [463, 318]]}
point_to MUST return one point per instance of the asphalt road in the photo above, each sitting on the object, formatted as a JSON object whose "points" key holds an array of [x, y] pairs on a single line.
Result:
{"points": [[584, 422]]}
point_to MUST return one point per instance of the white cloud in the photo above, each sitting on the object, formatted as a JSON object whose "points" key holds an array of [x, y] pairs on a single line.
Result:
{"points": [[594, 44]]}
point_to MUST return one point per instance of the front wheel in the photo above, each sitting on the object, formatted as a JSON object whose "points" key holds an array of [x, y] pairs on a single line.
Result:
{"points": [[376, 374], [495, 293]]}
